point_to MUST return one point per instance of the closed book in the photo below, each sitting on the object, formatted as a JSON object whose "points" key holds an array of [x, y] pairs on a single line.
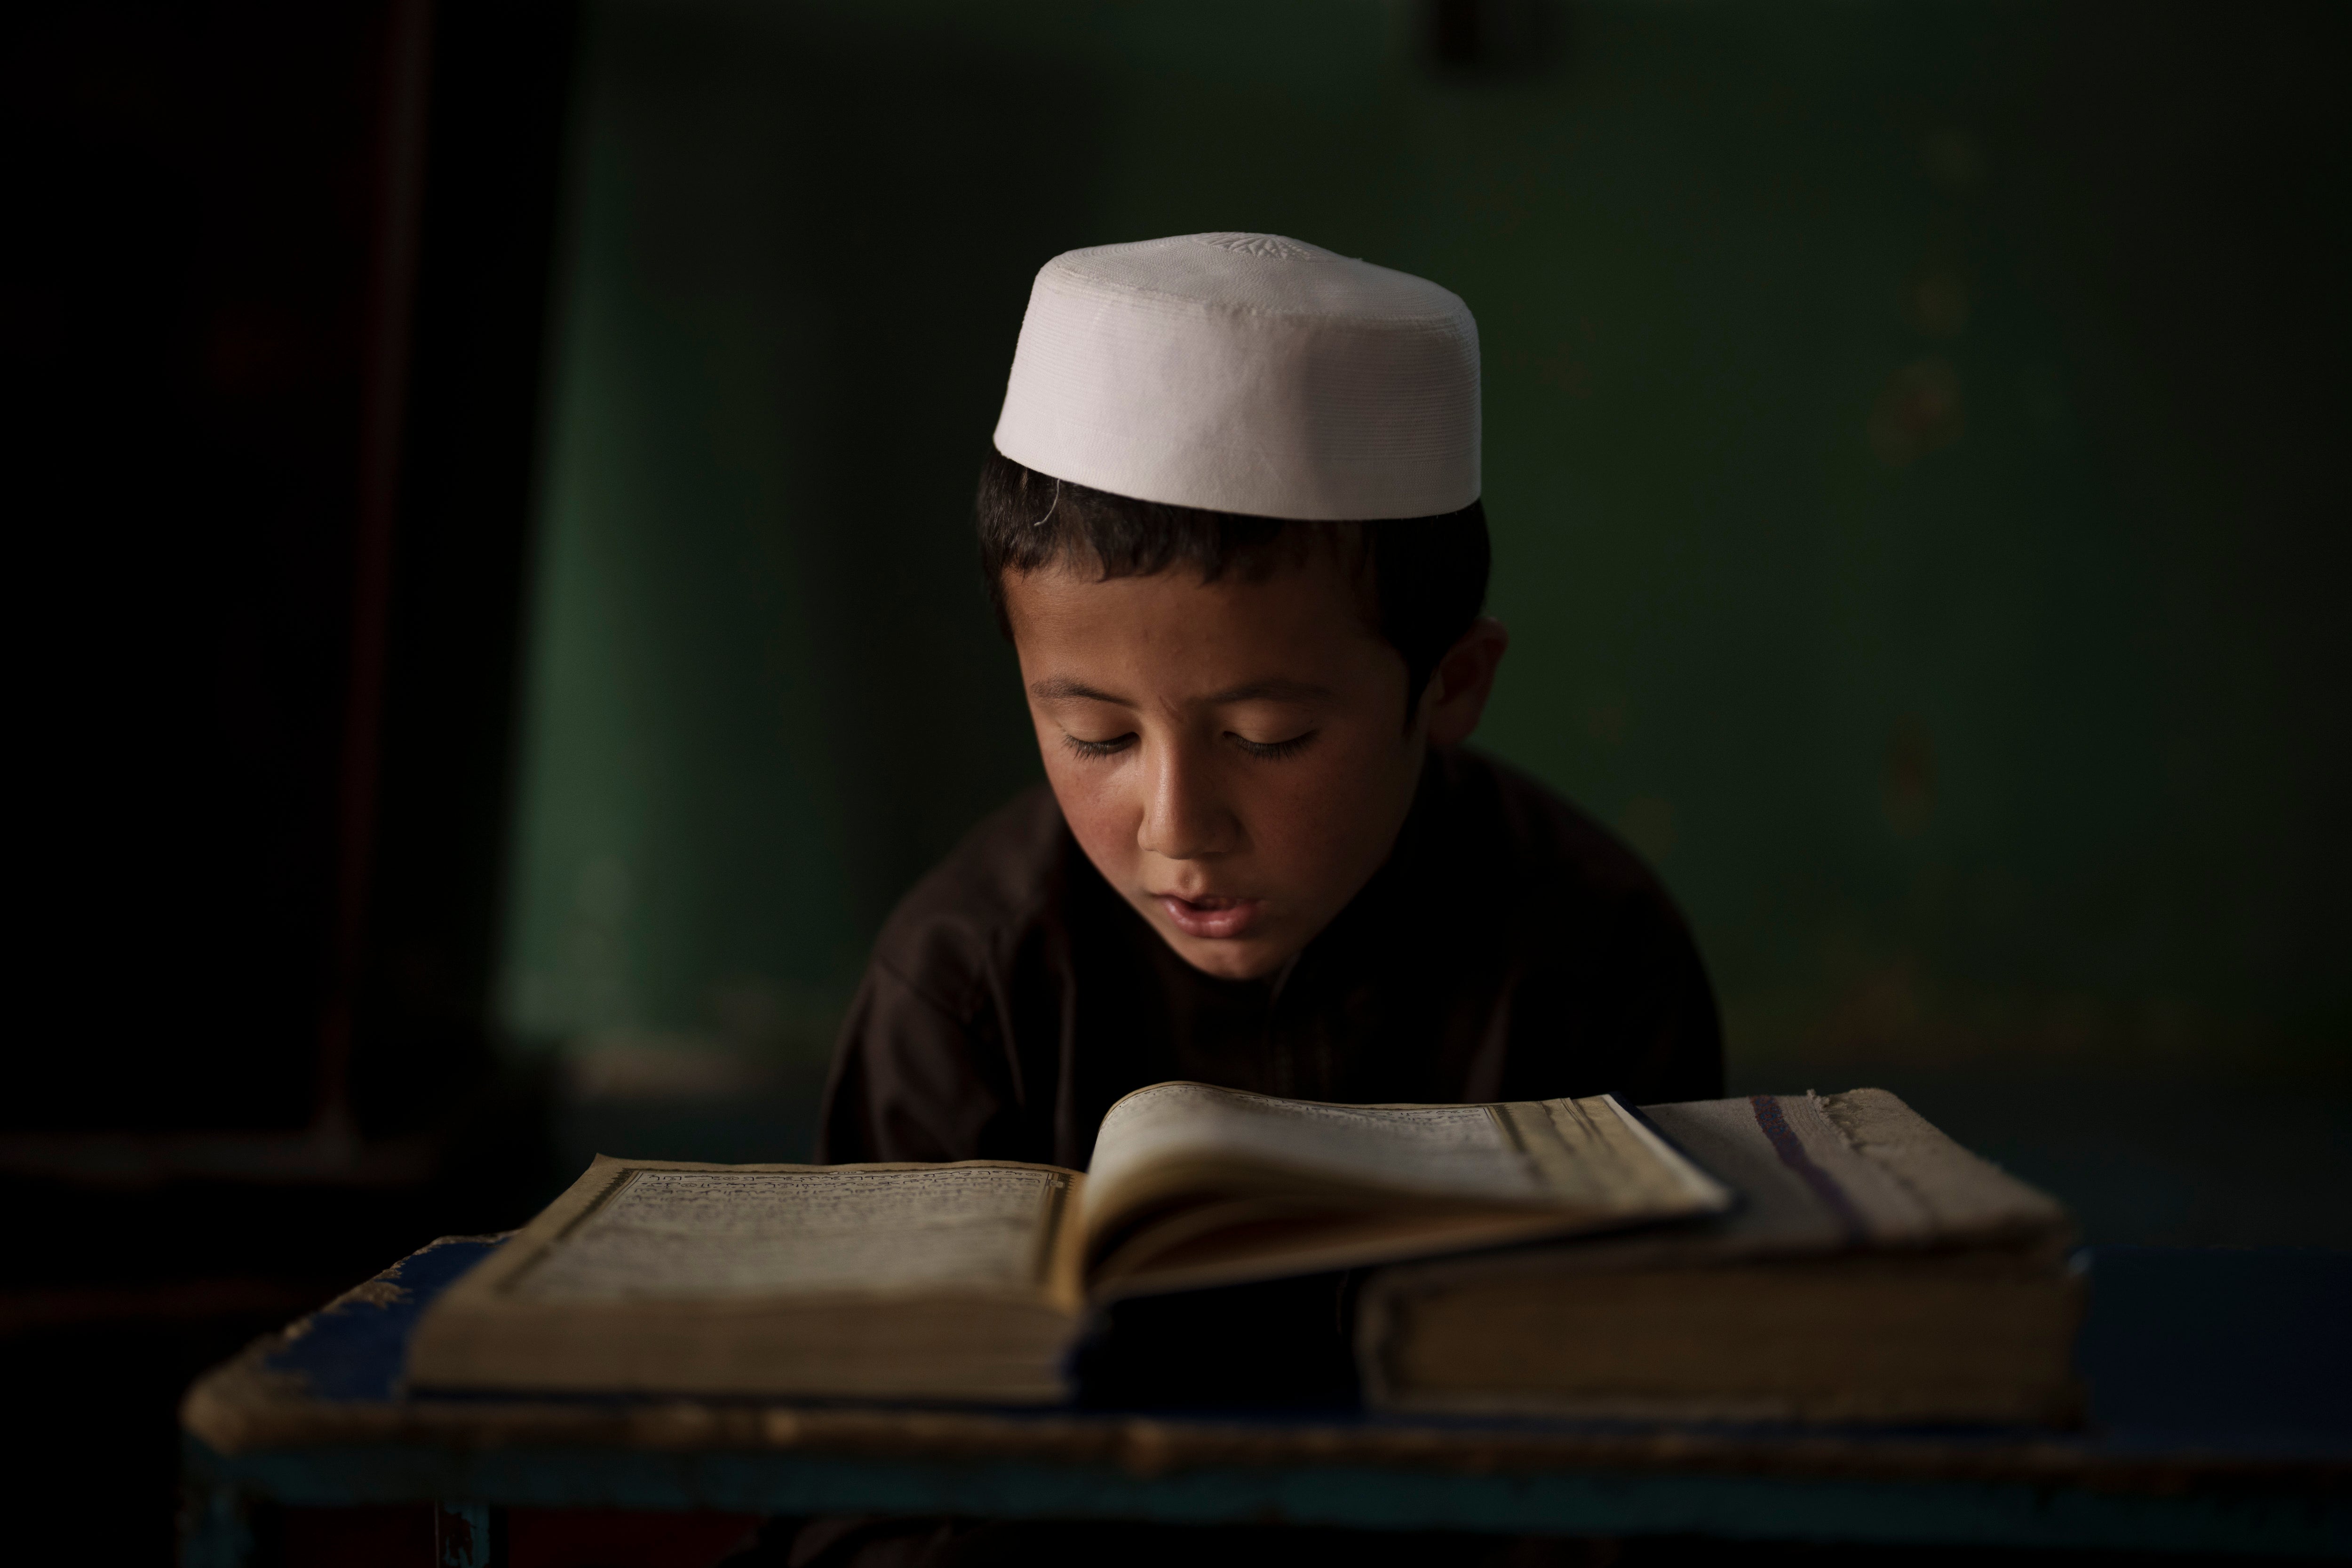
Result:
{"points": [[1873, 1271]]}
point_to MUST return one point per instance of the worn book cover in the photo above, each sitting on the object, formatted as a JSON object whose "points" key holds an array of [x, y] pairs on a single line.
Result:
{"points": [[1874, 1271]]}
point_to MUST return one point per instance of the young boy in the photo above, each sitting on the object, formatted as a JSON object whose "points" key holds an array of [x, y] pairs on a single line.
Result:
{"points": [[1231, 526]]}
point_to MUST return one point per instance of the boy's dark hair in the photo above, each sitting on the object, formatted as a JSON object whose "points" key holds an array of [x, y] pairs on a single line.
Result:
{"points": [[1425, 577]]}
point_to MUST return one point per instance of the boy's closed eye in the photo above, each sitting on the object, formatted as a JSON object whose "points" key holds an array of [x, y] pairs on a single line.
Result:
{"points": [[1262, 751], [1273, 751]]}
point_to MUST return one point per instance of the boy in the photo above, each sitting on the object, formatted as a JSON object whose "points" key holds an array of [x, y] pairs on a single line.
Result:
{"points": [[1231, 526]]}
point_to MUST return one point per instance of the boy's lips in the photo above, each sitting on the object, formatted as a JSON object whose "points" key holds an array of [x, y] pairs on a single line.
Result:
{"points": [[1210, 916]]}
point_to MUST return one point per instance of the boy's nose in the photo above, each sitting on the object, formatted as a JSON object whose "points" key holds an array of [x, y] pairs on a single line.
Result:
{"points": [[1184, 818]]}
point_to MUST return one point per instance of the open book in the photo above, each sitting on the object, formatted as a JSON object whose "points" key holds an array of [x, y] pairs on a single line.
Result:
{"points": [[968, 1280]]}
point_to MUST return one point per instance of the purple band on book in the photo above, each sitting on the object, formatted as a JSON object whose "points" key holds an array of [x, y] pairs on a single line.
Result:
{"points": [[1792, 1154]]}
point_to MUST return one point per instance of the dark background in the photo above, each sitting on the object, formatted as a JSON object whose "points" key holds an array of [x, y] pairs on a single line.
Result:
{"points": [[496, 630], [277, 284]]}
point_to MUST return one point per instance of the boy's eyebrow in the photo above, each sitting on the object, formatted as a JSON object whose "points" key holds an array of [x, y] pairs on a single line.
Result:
{"points": [[1062, 689]]}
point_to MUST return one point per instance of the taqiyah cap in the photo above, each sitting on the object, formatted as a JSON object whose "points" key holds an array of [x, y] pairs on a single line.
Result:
{"points": [[1246, 372]]}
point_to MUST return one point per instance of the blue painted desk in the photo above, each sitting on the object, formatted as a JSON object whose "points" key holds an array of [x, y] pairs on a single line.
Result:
{"points": [[2222, 1421]]}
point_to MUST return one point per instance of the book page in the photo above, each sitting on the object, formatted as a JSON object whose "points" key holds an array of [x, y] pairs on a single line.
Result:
{"points": [[1590, 1153], [1448, 1151], [681, 1234]]}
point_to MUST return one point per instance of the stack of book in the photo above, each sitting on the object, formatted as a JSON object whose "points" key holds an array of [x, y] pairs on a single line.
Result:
{"points": [[1776, 1258]]}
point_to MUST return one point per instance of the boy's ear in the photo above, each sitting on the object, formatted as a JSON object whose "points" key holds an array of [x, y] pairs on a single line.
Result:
{"points": [[1458, 689]]}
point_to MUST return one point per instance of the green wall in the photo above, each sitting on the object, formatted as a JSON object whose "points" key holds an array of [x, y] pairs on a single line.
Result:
{"points": [[1910, 437]]}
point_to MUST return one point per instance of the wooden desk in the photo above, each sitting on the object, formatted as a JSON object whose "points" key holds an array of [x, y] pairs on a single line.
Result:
{"points": [[2221, 1402]]}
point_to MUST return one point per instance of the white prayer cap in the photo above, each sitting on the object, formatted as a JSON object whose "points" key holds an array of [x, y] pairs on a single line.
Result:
{"points": [[1246, 372]]}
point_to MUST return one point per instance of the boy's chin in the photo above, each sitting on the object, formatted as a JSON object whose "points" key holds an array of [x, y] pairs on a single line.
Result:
{"points": [[1252, 957]]}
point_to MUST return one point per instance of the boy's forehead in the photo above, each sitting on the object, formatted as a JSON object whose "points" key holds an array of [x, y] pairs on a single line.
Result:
{"points": [[1289, 635]]}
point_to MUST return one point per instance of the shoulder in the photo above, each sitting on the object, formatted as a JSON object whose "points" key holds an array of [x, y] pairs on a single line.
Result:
{"points": [[1555, 876], [973, 911], [1610, 989], [1533, 838]]}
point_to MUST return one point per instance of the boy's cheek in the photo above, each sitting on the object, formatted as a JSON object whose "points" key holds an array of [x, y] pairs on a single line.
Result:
{"points": [[1097, 817]]}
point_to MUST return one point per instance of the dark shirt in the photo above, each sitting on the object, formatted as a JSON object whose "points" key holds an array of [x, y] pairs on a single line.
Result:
{"points": [[1509, 949]]}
